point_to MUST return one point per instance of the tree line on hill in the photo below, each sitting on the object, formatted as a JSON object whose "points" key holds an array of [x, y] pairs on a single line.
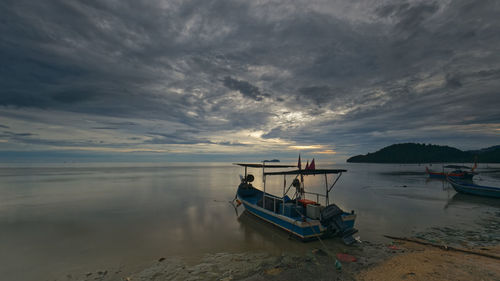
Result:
{"points": [[428, 153]]}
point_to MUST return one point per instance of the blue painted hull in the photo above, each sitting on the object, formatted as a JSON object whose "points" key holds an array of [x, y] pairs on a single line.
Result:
{"points": [[303, 228], [453, 176], [456, 174], [437, 176], [473, 189]]}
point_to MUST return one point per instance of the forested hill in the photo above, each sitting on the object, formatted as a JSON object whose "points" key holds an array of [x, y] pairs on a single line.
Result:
{"points": [[427, 153]]}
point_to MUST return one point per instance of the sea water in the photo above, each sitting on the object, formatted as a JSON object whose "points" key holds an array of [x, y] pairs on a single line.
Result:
{"points": [[66, 219]]}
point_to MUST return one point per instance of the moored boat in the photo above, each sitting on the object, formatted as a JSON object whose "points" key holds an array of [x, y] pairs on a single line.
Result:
{"points": [[468, 187], [303, 217], [458, 173]]}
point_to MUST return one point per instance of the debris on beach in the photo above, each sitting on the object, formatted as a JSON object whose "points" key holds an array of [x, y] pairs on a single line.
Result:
{"points": [[346, 257], [338, 265], [393, 247]]}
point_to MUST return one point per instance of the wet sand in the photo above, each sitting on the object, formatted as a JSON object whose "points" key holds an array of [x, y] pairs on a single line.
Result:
{"points": [[243, 266], [390, 261]]}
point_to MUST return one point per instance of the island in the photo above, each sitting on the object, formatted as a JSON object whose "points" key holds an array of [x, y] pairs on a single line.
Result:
{"points": [[428, 153]]}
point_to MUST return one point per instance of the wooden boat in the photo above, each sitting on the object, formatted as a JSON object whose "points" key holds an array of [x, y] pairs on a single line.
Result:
{"points": [[458, 173], [470, 188], [304, 218]]}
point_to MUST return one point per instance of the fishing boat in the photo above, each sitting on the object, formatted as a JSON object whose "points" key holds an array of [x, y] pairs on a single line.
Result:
{"points": [[302, 217], [469, 187], [457, 173]]}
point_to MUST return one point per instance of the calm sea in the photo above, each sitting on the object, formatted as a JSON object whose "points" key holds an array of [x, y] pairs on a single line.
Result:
{"points": [[72, 218]]}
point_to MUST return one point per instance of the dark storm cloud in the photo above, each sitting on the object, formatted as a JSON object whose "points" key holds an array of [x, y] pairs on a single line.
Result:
{"points": [[176, 138], [409, 17], [357, 72], [229, 143], [453, 81], [9, 134], [33, 139], [318, 95], [104, 128], [276, 132], [245, 88]]}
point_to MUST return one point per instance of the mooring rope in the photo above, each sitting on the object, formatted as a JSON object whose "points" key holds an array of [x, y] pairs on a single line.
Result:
{"points": [[318, 234]]}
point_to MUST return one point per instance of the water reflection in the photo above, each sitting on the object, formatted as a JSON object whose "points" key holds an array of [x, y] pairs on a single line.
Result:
{"points": [[461, 200], [256, 230]]}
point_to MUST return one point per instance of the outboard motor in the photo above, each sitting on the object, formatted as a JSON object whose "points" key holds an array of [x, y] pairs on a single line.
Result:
{"points": [[246, 182], [249, 178], [331, 217], [246, 188]]}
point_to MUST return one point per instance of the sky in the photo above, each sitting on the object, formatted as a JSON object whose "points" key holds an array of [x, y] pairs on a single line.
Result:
{"points": [[221, 80]]}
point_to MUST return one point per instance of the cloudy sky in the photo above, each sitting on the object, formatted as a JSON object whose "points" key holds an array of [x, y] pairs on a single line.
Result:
{"points": [[167, 79]]}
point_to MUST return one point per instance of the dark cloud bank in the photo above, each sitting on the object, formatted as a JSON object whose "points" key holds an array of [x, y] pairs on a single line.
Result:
{"points": [[362, 74]]}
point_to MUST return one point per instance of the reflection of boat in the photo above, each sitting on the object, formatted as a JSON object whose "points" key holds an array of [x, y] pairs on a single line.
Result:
{"points": [[257, 229], [474, 189], [461, 199], [304, 218], [458, 173]]}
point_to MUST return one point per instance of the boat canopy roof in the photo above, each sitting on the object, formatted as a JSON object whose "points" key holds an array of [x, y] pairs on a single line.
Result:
{"points": [[259, 165], [457, 167], [307, 172]]}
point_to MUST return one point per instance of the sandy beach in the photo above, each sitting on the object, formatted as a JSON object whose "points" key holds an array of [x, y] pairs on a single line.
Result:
{"points": [[420, 262]]}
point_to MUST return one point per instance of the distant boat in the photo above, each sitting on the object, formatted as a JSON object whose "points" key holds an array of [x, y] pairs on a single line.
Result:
{"points": [[458, 173], [470, 188], [304, 218]]}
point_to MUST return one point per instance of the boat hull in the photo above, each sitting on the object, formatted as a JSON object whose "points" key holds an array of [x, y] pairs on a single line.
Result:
{"points": [[300, 226], [473, 189], [303, 230], [461, 175]]}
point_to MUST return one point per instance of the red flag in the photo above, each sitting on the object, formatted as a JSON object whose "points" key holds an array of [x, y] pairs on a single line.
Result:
{"points": [[307, 165], [312, 166], [299, 164]]}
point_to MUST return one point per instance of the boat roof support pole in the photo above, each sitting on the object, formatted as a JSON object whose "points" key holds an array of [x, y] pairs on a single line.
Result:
{"points": [[302, 194], [290, 186], [326, 189], [264, 183], [284, 188], [338, 177]]}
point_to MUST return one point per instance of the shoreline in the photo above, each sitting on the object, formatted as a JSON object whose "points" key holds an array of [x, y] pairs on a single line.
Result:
{"points": [[399, 260]]}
